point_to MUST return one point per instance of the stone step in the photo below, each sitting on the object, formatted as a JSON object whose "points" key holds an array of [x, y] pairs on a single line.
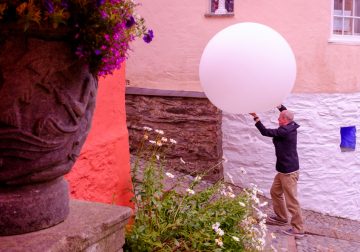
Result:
{"points": [[90, 226]]}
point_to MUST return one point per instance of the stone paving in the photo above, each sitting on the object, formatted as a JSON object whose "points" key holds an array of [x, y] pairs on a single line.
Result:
{"points": [[324, 233]]}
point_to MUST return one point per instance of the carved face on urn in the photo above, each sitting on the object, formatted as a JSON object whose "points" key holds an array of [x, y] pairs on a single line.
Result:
{"points": [[47, 100]]}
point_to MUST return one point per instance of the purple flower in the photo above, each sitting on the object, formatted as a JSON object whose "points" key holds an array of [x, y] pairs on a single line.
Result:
{"points": [[130, 22], [107, 37], [100, 2], [104, 14], [148, 37], [49, 6], [65, 4], [97, 52]]}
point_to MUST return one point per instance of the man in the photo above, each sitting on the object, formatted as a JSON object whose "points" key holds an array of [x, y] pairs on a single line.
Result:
{"points": [[287, 166]]}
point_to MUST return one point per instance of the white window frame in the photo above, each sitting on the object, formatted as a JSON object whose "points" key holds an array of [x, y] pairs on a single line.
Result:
{"points": [[213, 13], [343, 38]]}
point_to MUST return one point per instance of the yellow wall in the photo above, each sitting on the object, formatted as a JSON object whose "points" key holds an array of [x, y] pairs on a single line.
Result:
{"points": [[182, 31]]}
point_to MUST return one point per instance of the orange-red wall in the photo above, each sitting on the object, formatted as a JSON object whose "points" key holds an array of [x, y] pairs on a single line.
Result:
{"points": [[102, 172]]}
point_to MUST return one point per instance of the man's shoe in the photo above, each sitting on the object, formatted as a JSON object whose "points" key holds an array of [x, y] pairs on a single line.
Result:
{"points": [[292, 232], [275, 220]]}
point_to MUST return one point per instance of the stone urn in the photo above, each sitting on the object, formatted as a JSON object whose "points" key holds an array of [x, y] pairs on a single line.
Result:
{"points": [[47, 99]]}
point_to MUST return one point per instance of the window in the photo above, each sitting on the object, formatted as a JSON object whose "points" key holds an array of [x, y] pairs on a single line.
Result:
{"points": [[220, 7], [346, 19], [348, 138]]}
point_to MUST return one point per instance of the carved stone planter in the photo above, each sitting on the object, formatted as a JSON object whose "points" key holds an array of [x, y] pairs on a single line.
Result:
{"points": [[47, 98]]}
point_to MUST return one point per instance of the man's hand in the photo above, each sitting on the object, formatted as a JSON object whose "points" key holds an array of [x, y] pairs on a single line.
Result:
{"points": [[256, 118]]}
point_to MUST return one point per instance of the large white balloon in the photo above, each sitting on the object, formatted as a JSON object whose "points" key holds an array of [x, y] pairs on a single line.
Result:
{"points": [[247, 67]]}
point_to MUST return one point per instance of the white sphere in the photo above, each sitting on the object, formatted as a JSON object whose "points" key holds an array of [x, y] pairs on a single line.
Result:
{"points": [[247, 67]]}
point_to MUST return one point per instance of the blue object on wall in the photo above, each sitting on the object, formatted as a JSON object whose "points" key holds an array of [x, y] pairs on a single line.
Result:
{"points": [[348, 138]]}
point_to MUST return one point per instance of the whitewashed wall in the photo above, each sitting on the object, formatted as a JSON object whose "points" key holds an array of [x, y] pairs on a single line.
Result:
{"points": [[329, 179]]}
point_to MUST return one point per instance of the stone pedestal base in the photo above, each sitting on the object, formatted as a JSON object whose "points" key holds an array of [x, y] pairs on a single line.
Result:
{"points": [[33, 207], [89, 227]]}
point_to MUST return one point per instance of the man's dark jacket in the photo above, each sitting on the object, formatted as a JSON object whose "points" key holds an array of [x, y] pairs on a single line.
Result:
{"points": [[285, 141]]}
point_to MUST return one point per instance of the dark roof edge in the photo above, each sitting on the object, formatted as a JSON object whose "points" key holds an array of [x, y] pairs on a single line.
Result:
{"points": [[162, 92]]}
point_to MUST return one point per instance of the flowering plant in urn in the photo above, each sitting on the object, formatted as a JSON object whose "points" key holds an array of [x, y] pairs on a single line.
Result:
{"points": [[99, 31], [51, 54]]}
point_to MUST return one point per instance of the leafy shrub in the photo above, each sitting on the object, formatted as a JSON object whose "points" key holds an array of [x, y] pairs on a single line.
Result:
{"points": [[188, 216]]}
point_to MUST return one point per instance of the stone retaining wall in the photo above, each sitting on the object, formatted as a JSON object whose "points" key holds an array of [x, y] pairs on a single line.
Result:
{"points": [[187, 117]]}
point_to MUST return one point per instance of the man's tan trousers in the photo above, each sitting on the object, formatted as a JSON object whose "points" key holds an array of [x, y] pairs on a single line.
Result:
{"points": [[285, 185]]}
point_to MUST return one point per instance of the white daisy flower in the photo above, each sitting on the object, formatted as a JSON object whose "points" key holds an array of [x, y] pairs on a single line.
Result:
{"points": [[220, 232], [235, 238], [190, 191], [172, 141], [265, 203], [223, 192], [169, 175], [219, 242], [147, 128], [215, 226], [231, 195], [161, 132]]}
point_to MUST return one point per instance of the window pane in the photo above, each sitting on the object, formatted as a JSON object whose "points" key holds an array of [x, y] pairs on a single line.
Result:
{"points": [[348, 26], [229, 5], [357, 8], [338, 24], [214, 5], [348, 7], [357, 26], [338, 4]]}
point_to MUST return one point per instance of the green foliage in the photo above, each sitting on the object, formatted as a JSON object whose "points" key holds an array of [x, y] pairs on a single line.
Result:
{"points": [[188, 216]]}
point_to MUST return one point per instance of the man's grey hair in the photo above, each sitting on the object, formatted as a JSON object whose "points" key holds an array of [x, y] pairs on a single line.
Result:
{"points": [[288, 114]]}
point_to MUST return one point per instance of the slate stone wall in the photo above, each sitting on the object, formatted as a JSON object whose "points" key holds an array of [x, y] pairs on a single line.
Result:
{"points": [[187, 117]]}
